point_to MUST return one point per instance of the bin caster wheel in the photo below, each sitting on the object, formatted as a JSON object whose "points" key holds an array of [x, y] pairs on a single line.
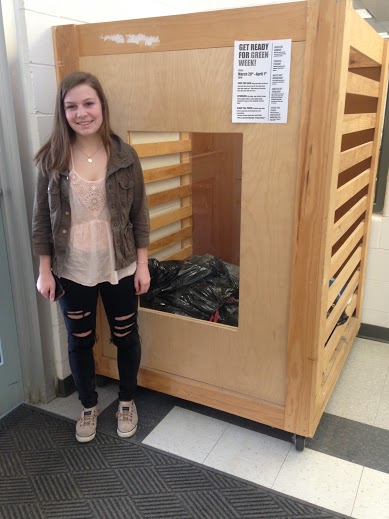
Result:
{"points": [[300, 442], [101, 381]]}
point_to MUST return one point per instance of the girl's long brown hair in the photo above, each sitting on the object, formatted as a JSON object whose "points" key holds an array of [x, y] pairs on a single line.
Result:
{"points": [[54, 155]]}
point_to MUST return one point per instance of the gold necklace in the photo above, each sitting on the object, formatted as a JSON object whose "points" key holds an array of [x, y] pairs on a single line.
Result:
{"points": [[89, 157]]}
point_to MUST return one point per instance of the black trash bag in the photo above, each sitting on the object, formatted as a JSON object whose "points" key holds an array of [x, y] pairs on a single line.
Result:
{"points": [[228, 312], [162, 274], [200, 268], [197, 287]]}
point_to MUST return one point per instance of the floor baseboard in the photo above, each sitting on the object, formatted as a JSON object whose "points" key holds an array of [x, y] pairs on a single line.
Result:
{"points": [[65, 387], [375, 333]]}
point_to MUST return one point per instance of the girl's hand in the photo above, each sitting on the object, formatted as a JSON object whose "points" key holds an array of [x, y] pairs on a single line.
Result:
{"points": [[142, 279], [46, 285]]}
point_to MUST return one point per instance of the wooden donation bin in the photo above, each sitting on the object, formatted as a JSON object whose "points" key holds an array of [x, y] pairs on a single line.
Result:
{"points": [[288, 204]]}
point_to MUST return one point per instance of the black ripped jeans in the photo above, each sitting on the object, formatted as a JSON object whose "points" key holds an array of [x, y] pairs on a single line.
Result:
{"points": [[78, 306]]}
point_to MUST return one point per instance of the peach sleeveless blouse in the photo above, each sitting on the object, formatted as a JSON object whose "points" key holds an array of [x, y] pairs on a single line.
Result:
{"points": [[90, 254]]}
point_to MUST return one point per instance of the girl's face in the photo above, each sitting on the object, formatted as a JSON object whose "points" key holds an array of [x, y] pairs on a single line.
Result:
{"points": [[83, 110]]}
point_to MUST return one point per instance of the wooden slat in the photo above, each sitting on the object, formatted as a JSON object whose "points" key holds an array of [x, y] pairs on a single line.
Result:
{"points": [[355, 155], [347, 220], [374, 167], [333, 318], [348, 333], [156, 222], [156, 174], [358, 60], [335, 339], [170, 194], [212, 29], [367, 45], [66, 51], [154, 149], [171, 239], [360, 105], [362, 86], [334, 148], [370, 72], [351, 188], [358, 122], [185, 158], [344, 275], [340, 256], [181, 255]]}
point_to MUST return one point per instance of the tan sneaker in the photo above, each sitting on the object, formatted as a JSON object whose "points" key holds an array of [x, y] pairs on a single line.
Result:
{"points": [[127, 419], [86, 425]]}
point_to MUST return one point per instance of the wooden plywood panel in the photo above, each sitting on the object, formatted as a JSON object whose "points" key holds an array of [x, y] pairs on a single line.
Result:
{"points": [[194, 31], [217, 175], [184, 94], [214, 397]]}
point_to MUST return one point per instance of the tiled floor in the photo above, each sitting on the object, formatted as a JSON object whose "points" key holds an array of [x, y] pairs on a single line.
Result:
{"points": [[345, 468]]}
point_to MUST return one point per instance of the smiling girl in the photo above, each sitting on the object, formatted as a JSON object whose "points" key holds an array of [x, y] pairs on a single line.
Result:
{"points": [[91, 229]]}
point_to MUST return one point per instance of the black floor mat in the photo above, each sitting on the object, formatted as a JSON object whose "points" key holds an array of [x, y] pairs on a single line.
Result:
{"points": [[46, 474]]}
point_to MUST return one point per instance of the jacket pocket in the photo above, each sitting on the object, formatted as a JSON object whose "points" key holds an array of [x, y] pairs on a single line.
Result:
{"points": [[53, 193], [128, 241], [126, 191]]}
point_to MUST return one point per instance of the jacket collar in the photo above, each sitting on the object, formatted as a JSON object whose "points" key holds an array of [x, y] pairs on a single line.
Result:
{"points": [[121, 155]]}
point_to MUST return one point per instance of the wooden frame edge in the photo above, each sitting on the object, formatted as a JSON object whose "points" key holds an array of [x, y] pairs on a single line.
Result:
{"points": [[365, 40], [373, 169], [324, 51], [347, 338], [66, 50], [210, 29], [212, 396]]}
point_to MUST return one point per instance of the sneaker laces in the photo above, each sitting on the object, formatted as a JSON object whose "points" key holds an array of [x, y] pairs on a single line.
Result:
{"points": [[87, 418], [125, 413]]}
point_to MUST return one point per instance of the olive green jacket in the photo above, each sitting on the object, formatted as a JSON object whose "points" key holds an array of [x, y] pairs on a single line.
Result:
{"points": [[126, 200]]}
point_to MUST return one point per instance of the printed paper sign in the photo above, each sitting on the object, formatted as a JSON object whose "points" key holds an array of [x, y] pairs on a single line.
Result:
{"points": [[261, 81]]}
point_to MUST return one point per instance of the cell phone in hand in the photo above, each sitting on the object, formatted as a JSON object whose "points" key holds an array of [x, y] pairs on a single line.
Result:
{"points": [[59, 291]]}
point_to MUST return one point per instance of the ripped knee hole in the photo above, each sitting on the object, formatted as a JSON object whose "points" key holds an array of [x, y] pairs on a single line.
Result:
{"points": [[127, 327], [78, 315], [84, 334]]}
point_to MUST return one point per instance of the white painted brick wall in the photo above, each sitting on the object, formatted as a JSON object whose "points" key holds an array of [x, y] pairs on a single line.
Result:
{"points": [[44, 97], [376, 295]]}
